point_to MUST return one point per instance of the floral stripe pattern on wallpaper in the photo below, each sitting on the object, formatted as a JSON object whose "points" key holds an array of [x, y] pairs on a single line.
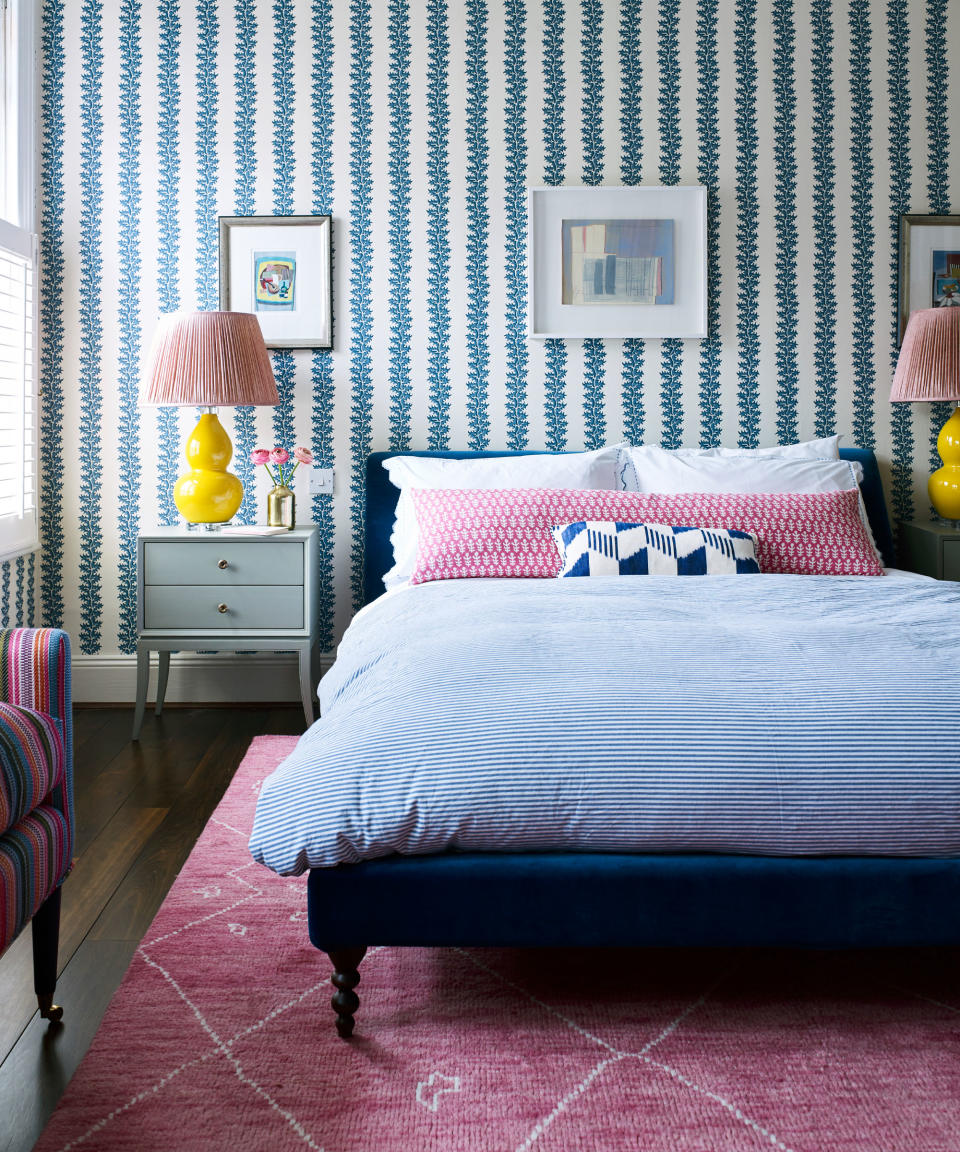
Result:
{"points": [[167, 261], [822, 154], [89, 323], [321, 364], [399, 272], [708, 169], [477, 227], [669, 148], [900, 170], [52, 253], [129, 318], [245, 154], [419, 125]]}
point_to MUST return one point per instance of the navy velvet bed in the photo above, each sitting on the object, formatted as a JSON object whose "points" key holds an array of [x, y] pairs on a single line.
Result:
{"points": [[619, 899]]}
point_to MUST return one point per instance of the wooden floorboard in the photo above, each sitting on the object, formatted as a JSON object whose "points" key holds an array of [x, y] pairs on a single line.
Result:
{"points": [[139, 810], [102, 870], [141, 893], [149, 773], [17, 1003], [86, 722]]}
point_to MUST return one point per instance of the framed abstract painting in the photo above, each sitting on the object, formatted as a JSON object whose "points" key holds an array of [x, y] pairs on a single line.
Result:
{"points": [[618, 262], [929, 266], [279, 268]]}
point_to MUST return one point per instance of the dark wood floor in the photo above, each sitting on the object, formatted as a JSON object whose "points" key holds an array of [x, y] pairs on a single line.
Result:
{"points": [[139, 810]]}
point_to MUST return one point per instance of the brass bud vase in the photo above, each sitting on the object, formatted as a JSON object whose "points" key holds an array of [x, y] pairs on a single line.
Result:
{"points": [[281, 507]]}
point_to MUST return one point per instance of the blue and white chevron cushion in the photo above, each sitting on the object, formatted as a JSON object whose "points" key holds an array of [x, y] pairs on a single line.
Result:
{"points": [[611, 548]]}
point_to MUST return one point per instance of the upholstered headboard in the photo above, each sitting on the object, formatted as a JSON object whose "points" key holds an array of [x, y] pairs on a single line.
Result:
{"points": [[382, 502]]}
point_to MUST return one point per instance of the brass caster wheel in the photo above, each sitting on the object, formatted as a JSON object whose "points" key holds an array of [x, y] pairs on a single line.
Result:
{"points": [[49, 1010]]}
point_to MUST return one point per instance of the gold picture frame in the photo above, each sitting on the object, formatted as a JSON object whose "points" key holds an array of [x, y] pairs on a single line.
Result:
{"points": [[922, 239]]}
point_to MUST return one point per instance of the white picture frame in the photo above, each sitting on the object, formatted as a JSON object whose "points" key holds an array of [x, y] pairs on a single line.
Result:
{"points": [[303, 244], [683, 206]]}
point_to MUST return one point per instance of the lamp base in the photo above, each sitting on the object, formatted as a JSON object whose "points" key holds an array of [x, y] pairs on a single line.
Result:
{"points": [[943, 486], [209, 526], [208, 493]]}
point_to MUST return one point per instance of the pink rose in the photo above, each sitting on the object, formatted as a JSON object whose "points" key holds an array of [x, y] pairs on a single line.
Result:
{"points": [[260, 455], [303, 455], [279, 456]]}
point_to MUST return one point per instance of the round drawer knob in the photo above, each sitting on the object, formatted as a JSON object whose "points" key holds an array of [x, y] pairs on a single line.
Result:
{"points": [[221, 607], [222, 564]]}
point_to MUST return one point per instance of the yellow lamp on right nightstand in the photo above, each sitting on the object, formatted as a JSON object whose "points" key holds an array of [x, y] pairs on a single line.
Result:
{"points": [[929, 369]]}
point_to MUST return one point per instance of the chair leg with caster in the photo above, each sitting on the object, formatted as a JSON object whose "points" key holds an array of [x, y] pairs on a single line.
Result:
{"points": [[46, 939]]}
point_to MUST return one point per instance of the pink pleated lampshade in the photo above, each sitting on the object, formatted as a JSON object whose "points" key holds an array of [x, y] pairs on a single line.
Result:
{"points": [[213, 359], [929, 364]]}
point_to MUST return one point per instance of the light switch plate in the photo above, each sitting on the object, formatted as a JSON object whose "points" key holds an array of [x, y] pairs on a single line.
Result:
{"points": [[321, 481]]}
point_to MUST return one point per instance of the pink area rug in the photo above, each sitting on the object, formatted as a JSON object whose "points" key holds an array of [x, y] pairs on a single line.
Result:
{"points": [[221, 1037]]}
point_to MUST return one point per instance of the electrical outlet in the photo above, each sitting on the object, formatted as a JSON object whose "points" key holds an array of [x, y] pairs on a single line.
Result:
{"points": [[321, 481]]}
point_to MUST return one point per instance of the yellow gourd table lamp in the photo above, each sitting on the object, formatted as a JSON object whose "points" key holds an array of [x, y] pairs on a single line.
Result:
{"points": [[929, 369], [210, 360]]}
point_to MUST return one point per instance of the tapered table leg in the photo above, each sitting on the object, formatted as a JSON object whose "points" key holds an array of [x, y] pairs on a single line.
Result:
{"points": [[306, 683], [143, 683], [164, 672]]}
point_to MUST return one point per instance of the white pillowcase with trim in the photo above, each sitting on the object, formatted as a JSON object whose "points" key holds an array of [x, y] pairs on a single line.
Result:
{"points": [[658, 470], [661, 471], [825, 448], [593, 470]]}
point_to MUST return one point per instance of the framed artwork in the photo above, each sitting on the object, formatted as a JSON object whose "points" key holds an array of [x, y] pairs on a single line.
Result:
{"points": [[929, 266], [279, 268], [625, 261]]}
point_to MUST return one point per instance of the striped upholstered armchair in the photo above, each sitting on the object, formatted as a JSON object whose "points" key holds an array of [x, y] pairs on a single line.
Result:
{"points": [[36, 794]]}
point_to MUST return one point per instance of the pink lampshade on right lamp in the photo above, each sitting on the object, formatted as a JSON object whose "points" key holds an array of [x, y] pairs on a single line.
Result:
{"points": [[929, 369]]}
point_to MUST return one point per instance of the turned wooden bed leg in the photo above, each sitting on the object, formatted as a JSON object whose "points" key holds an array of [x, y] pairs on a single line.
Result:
{"points": [[345, 978]]}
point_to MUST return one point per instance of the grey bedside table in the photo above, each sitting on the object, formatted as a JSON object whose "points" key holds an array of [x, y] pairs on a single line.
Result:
{"points": [[931, 547], [209, 592]]}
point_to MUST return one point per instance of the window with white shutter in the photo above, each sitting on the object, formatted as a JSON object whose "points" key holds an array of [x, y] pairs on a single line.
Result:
{"points": [[18, 276], [18, 393]]}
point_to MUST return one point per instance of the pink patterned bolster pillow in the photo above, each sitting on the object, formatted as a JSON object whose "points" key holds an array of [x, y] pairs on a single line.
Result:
{"points": [[508, 531]]}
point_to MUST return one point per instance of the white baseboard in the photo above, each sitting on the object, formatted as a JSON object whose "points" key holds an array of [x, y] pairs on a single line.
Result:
{"points": [[195, 678]]}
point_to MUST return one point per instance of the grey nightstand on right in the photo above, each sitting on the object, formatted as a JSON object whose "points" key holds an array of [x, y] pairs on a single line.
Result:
{"points": [[931, 547]]}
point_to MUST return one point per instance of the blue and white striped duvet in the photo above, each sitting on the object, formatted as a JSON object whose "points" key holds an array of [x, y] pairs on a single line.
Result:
{"points": [[781, 715]]}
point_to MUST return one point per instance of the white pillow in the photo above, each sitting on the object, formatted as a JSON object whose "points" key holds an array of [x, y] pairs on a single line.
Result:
{"points": [[661, 471], [597, 469], [658, 470], [826, 448]]}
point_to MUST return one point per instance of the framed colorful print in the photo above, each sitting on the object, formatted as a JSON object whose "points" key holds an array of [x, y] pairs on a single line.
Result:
{"points": [[279, 268], [929, 266], [617, 262]]}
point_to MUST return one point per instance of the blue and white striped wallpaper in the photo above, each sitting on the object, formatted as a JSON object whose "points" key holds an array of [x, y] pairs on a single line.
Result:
{"points": [[419, 125]]}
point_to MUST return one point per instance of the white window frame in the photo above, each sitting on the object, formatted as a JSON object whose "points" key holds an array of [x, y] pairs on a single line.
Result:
{"points": [[19, 149]]}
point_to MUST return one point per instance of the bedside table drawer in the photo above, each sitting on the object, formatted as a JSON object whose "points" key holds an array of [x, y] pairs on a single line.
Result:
{"points": [[174, 607], [225, 563], [951, 559]]}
